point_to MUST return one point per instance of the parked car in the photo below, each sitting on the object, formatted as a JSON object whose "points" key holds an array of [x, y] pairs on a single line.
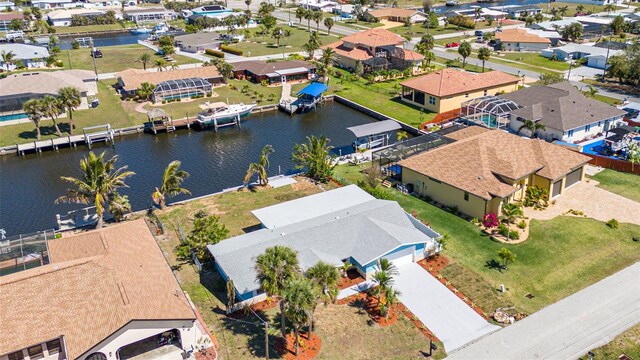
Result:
{"points": [[452, 45], [479, 33], [96, 53]]}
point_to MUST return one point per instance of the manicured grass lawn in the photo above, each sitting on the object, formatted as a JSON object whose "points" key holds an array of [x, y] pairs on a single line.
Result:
{"points": [[458, 64], [343, 329], [562, 255], [626, 343], [417, 30], [533, 59], [572, 7], [259, 45], [115, 58], [360, 25], [608, 100], [457, 39], [623, 184], [90, 28]]}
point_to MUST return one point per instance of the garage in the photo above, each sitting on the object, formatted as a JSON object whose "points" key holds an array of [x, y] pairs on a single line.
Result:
{"points": [[555, 189], [401, 257], [573, 178]]}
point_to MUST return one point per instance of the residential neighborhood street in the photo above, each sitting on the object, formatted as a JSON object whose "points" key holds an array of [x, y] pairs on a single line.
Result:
{"points": [[569, 328]]}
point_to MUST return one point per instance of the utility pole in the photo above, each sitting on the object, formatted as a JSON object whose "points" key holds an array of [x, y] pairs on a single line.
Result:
{"points": [[93, 56], [266, 339], [606, 60]]}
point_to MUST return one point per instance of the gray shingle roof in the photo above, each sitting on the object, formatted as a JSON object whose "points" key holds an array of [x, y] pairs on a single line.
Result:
{"points": [[25, 51], [363, 231]]}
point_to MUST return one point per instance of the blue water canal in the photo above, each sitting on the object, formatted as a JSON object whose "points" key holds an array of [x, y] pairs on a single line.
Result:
{"points": [[29, 185]]}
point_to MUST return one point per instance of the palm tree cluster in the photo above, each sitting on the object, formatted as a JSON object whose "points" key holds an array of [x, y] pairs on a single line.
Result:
{"points": [[533, 126], [260, 167], [52, 107], [386, 295], [315, 156], [279, 273]]}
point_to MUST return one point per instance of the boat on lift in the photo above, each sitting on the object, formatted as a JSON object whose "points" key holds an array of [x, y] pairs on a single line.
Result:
{"points": [[140, 30], [220, 114]]}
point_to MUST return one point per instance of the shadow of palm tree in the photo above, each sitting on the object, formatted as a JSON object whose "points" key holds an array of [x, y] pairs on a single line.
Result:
{"points": [[494, 265]]}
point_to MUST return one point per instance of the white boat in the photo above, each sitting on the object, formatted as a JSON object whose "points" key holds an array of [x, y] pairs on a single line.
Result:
{"points": [[220, 114], [161, 29], [451, 3], [140, 30]]}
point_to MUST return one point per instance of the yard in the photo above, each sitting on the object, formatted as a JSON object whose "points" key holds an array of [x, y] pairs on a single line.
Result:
{"points": [[562, 255], [458, 64], [345, 330], [115, 58], [533, 59], [619, 183], [573, 6], [258, 45], [418, 30], [60, 30], [627, 343]]}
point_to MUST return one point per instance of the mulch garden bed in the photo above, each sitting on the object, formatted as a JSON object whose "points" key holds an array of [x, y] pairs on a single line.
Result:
{"points": [[309, 348], [353, 278], [434, 264], [417, 323], [370, 305], [208, 354], [257, 307]]}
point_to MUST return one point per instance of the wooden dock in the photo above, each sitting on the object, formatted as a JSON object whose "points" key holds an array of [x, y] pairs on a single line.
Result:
{"points": [[103, 133], [286, 102]]}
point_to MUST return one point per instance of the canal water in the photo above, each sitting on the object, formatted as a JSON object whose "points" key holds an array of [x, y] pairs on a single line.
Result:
{"points": [[29, 185], [465, 6], [102, 40]]}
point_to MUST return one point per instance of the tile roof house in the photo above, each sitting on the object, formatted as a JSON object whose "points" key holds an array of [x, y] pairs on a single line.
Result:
{"points": [[566, 113], [130, 80], [275, 73], [398, 15], [496, 167], [7, 18], [519, 39], [345, 224], [102, 293], [445, 90], [377, 49]]}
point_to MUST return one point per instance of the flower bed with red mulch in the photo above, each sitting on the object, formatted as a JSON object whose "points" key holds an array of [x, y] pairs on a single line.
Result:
{"points": [[257, 307], [370, 305], [353, 278], [417, 323], [308, 349]]}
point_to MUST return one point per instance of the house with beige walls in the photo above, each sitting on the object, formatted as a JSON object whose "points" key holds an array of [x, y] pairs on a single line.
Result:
{"points": [[445, 90], [106, 294], [484, 169]]}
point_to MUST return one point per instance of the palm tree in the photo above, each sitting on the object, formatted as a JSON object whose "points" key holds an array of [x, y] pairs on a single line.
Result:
{"points": [[390, 299], [477, 12], [402, 135], [145, 91], [533, 126], [70, 98], [428, 41], [274, 269], [609, 8], [36, 111], [276, 33], [484, 54], [563, 10], [308, 15], [144, 59], [506, 256], [315, 156], [580, 8], [317, 17], [327, 59], [248, 3], [510, 213], [7, 58], [633, 154], [98, 185], [300, 299], [260, 167], [51, 107], [328, 23], [464, 50], [326, 276], [160, 64], [171, 184], [384, 280], [591, 92], [300, 14]]}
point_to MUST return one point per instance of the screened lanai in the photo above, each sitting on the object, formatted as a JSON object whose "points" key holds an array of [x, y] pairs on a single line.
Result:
{"points": [[488, 111], [180, 89]]}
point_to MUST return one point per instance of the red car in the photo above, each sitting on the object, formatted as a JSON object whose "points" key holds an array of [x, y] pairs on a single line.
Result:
{"points": [[452, 45]]}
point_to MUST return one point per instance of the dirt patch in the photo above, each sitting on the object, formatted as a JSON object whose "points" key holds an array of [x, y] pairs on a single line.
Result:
{"points": [[308, 349]]}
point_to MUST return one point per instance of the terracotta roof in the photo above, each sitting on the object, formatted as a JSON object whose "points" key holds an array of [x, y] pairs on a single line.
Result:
{"points": [[520, 35], [447, 82], [467, 132], [374, 37], [132, 80], [10, 16], [412, 55], [391, 11], [490, 154], [355, 53], [263, 67], [97, 282]]}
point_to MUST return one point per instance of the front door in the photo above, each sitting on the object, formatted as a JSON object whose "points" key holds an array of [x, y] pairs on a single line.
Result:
{"points": [[284, 79]]}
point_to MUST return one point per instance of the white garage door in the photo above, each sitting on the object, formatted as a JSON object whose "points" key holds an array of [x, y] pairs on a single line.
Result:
{"points": [[402, 257]]}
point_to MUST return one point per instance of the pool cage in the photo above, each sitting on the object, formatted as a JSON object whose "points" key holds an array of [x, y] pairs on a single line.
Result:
{"points": [[388, 157], [488, 111], [180, 89]]}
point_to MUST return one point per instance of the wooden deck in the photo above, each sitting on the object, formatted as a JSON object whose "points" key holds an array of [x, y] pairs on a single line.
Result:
{"points": [[102, 133]]}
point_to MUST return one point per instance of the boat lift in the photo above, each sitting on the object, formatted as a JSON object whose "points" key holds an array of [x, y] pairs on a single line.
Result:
{"points": [[373, 135]]}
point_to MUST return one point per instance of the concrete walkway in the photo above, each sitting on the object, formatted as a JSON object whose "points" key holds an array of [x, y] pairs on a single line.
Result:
{"points": [[569, 328], [594, 202], [444, 313]]}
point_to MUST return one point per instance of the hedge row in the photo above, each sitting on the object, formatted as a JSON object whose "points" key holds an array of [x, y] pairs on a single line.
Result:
{"points": [[216, 53], [231, 50]]}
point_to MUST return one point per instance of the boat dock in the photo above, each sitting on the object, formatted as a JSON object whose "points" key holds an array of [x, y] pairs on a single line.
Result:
{"points": [[286, 102], [104, 133]]}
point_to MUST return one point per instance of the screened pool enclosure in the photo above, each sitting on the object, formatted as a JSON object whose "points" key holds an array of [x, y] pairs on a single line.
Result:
{"points": [[181, 89], [488, 111]]}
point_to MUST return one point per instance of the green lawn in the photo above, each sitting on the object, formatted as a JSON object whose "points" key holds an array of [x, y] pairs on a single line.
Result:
{"points": [[360, 25], [258, 45], [533, 59], [115, 58], [608, 100], [457, 39], [572, 7], [91, 28], [417, 30], [627, 343], [458, 64], [623, 184], [561, 256]]}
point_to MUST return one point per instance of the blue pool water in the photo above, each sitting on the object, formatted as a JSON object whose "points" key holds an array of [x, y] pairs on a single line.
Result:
{"points": [[489, 120], [596, 148], [9, 117]]}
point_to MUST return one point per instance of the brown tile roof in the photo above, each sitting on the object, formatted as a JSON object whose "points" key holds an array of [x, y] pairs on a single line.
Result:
{"points": [[355, 53], [10, 16], [97, 282], [412, 55], [520, 35], [467, 132], [263, 67], [448, 82], [374, 37], [391, 11], [475, 162], [133, 79]]}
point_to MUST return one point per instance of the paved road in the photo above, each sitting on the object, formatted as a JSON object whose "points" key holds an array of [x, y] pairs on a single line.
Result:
{"points": [[569, 328]]}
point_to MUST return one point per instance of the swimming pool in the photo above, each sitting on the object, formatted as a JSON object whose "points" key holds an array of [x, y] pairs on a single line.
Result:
{"points": [[10, 117], [489, 120]]}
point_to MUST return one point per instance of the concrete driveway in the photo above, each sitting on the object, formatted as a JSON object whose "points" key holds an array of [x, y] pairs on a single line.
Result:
{"points": [[569, 328], [594, 202], [450, 319]]}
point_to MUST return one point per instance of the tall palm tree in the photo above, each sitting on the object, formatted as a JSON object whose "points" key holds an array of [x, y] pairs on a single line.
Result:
{"points": [[387, 266], [300, 299], [51, 107], [328, 23], [7, 58], [510, 213], [160, 64], [384, 280], [609, 8], [70, 98], [390, 299], [326, 276], [99, 183], [145, 90], [248, 3], [315, 156], [36, 111], [484, 54], [317, 17], [144, 59], [260, 167], [274, 269], [592, 91], [533, 126], [465, 51], [326, 59], [171, 184]]}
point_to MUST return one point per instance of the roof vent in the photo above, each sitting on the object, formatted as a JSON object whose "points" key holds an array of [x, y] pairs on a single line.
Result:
{"points": [[281, 234], [479, 178], [337, 217]]}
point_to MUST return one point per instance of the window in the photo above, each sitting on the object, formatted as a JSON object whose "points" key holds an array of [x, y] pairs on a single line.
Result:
{"points": [[432, 100], [587, 128], [18, 355], [486, 92], [35, 352], [466, 95], [466, 196], [570, 133], [53, 346]]}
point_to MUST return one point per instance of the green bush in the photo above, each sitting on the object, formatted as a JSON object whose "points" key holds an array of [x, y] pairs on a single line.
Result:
{"points": [[522, 224], [514, 235], [462, 21], [503, 230], [613, 223], [216, 53], [231, 50]]}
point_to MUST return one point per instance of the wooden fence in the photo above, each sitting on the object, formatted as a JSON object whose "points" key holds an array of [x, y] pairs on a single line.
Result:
{"points": [[614, 164]]}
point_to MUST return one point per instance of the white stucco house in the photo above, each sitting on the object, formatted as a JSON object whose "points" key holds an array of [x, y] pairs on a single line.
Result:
{"points": [[596, 56], [596, 2], [31, 56], [566, 113], [107, 294]]}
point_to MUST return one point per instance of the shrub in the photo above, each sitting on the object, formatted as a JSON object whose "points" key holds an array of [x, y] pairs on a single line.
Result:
{"points": [[231, 50], [462, 21], [522, 224], [514, 235], [452, 209], [503, 230], [613, 224], [490, 221], [216, 53]]}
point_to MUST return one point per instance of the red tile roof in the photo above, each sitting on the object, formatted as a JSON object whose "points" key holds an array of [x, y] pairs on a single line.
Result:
{"points": [[447, 82], [374, 37]]}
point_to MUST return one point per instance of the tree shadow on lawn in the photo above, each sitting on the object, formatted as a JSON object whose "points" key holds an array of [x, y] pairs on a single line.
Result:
{"points": [[251, 327], [45, 131], [494, 265]]}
